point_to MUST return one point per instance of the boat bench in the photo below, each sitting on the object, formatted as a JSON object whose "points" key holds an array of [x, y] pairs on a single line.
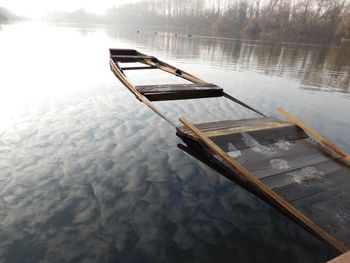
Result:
{"points": [[179, 91]]}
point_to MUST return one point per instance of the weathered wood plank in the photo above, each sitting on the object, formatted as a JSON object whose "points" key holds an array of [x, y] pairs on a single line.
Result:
{"points": [[264, 130], [311, 180], [224, 124], [123, 51], [143, 89], [307, 180], [181, 95], [129, 58], [339, 192], [263, 126], [138, 68], [117, 57], [261, 136], [285, 156], [179, 91]]}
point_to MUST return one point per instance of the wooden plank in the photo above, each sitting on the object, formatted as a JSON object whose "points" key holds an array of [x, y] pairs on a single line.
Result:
{"points": [[123, 51], [260, 136], [129, 58], [223, 131], [145, 89], [290, 185], [339, 192], [208, 126], [343, 258], [224, 124], [263, 161], [240, 129], [117, 57], [179, 91], [242, 172], [310, 180], [315, 135], [181, 96], [138, 68]]}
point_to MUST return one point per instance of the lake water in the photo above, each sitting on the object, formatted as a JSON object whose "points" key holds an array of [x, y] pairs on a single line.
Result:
{"points": [[89, 174]]}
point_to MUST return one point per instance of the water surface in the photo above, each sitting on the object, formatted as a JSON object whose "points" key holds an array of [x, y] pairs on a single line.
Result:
{"points": [[88, 173]]}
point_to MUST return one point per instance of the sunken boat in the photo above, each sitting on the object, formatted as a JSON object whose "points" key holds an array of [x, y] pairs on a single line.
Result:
{"points": [[283, 162]]}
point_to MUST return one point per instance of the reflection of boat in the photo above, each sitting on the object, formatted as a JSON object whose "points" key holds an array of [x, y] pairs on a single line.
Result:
{"points": [[279, 161]]}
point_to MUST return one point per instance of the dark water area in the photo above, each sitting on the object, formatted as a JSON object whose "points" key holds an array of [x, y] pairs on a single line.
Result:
{"points": [[89, 174]]}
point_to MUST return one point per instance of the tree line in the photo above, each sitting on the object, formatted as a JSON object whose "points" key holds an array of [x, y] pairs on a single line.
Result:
{"points": [[305, 20]]}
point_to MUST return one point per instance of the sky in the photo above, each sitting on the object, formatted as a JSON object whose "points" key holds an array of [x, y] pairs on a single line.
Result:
{"points": [[38, 8]]}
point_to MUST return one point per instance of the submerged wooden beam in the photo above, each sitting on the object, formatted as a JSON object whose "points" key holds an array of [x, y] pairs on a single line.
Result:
{"points": [[245, 175], [315, 135]]}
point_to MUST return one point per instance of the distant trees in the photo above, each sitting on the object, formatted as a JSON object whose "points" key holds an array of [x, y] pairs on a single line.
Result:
{"points": [[267, 19], [306, 20], [343, 27]]}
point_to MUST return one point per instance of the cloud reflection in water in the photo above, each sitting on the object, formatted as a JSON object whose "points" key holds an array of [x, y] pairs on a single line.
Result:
{"points": [[96, 176], [102, 179]]}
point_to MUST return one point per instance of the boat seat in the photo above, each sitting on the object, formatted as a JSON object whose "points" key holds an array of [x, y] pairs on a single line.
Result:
{"points": [[179, 91], [129, 59]]}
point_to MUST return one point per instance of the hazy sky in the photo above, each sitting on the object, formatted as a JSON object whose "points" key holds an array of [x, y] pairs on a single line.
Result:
{"points": [[37, 8]]}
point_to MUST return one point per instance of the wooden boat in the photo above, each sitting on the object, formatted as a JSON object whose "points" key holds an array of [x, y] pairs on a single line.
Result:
{"points": [[285, 163]]}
